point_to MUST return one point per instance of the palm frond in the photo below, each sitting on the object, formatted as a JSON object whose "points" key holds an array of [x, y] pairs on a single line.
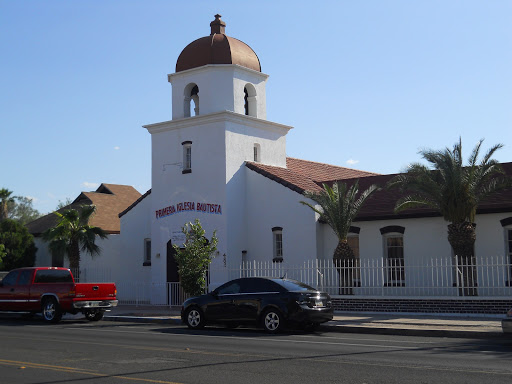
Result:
{"points": [[450, 187], [339, 205]]}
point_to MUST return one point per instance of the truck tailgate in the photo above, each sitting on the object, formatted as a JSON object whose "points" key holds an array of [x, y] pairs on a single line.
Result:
{"points": [[95, 291]]}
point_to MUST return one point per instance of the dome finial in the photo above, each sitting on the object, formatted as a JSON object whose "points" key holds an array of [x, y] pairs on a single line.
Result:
{"points": [[217, 25]]}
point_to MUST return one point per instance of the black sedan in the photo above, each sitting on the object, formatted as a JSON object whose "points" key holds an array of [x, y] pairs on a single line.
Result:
{"points": [[270, 302]]}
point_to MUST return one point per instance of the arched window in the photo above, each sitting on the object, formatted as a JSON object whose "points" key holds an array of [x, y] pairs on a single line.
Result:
{"points": [[507, 227], [353, 242], [250, 100], [393, 240], [191, 100], [277, 239]]}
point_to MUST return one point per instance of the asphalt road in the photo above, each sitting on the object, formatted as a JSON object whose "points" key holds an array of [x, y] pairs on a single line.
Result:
{"points": [[77, 351]]}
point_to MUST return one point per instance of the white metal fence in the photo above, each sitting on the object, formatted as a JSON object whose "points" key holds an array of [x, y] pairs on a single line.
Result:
{"points": [[167, 294], [379, 277], [482, 276], [92, 275]]}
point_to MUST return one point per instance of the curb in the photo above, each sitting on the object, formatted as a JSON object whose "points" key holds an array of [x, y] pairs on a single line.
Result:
{"points": [[141, 319], [340, 328], [415, 332]]}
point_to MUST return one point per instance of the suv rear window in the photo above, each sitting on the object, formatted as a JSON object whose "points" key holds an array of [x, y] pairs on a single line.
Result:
{"points": [[53, 276]]}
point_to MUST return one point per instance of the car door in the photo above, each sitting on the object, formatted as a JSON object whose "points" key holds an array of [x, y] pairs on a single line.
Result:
{"points": [[22, 292], [256, 292], [7, 286], [222, 308], [249, 301]]}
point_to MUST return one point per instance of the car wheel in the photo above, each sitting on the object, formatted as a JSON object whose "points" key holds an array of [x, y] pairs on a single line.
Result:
{"points": [[272, 320], [94, 316], [194, 318], [51, 310]]}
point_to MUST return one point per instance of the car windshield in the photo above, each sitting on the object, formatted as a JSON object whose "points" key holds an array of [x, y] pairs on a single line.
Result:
{"points": [[293, 285]]}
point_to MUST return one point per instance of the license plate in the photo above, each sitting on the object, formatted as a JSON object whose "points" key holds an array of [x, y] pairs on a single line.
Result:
{"points": [[319, 303]]}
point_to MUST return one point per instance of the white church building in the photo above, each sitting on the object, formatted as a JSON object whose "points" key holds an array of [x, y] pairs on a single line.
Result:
{"points": [[221, 161]]}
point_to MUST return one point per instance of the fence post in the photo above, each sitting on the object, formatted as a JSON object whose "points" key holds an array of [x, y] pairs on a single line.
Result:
{"points": [[382, 276]]}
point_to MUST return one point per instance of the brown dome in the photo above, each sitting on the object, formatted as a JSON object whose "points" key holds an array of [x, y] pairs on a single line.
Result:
{"points": [[217, 49]]}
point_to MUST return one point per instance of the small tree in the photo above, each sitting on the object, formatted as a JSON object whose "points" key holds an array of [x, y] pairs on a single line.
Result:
{"points": [[338, 207], [22, 210], [18, 243], [2, 254], [195, 257]]}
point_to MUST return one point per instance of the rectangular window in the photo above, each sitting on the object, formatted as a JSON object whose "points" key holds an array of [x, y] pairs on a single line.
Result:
{"points": [[277, 235], [147, 252], [257, 153], [187, 157], [53, 276], [394, 248]]}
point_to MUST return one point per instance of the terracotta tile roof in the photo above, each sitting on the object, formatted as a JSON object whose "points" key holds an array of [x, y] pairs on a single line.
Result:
{"points": [[381, 205], [295, 181], [109, 199], [304, 175], [320, 172]]}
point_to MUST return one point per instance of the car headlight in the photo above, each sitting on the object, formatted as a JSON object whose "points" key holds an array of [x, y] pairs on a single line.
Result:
{"points": [[509, 313]]}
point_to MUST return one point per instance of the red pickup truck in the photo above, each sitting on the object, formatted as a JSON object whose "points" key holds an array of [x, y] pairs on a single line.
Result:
{"points": [[53, 292]]}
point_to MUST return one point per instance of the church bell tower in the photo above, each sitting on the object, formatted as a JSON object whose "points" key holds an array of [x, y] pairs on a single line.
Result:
{"points": [[218, 124]]}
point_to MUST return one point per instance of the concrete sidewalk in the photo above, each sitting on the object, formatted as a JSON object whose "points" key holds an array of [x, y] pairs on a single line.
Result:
{"points": [[386, 323]]}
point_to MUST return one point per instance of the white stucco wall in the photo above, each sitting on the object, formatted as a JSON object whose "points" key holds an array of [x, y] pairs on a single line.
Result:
{"points": [[490, 234], [135, 228], [170, 187], [43, 255], [426, 243], [269, 205], [105, 266], [221, 143], [424, 238]]}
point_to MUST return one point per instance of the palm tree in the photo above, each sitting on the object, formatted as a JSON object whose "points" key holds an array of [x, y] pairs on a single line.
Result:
{"points": [[5, 199], [73, 234], [339, 206], [455, 190]]}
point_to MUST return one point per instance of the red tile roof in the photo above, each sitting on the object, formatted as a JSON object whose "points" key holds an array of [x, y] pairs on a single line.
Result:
{"points": [[302, 175], [320, 172]]}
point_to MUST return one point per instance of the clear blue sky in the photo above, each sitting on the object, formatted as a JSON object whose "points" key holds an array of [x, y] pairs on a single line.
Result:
{"points": [[366, 84]]}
